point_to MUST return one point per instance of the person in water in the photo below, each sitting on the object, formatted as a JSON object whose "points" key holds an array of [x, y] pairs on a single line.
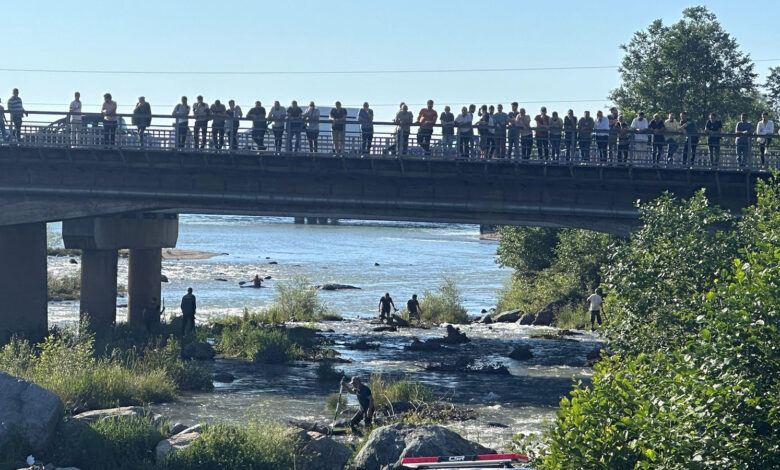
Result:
{"points": [[363, 393], [413, 306], [257, 282], [384, 308]]}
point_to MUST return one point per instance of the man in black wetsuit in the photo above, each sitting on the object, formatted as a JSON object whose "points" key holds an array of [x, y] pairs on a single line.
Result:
{"points": [[384, 308], [413, 306], [188, 308], [363, 393]]}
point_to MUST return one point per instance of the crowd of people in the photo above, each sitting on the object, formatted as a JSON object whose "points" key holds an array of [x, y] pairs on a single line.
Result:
{"points": [[484, 132]]}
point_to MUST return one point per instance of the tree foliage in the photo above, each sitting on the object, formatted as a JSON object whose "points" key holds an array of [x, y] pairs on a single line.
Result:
{"points": [[692, 65], [526, 249], [772, 86], [707, 398]]}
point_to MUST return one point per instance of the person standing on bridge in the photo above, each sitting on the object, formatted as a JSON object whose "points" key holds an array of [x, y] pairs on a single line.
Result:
{"points": [[74, 113], [366, 120], [259, 124], [2, 123], [404, 120], [554, 130], [639, 126], [16, 110], [526, 133], [385, 302], [180, 112], [109, 120], [601, 126], [765, 129], [338, 118], [142, 118], [596, 303], [513, 132], [543, 134], [426, 118], [744, 129], [202, 114], [585, 128], [500, 119], [294, 126], [218, 114], [713, 128], [277, 115], [657, 128], [672, 127], [188, 308], [570, 134], [312, 118], [447, 120], [465, 132], [233, 123], [688, 126]]}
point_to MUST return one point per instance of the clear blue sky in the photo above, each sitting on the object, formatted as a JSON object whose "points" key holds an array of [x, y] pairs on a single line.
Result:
{"points": [[333, 35]]}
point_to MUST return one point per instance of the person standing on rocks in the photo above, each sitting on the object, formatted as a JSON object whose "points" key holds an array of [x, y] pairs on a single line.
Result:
{"points": [[366, 401], [413, 306], [384, 308], [188, 307], [596, 302]]}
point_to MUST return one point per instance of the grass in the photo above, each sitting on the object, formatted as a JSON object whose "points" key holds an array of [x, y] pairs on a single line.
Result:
{"points": [[296, 300], [261, 343], [443, 305], [259, 446], [333, 399], [63, 288], [385, 389], [572, 317]]}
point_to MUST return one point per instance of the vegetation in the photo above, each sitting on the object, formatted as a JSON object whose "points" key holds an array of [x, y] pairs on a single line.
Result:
{"points": [[296, 300], [63, 288], [268, 344], [388, 390], [772, 86], [326, 373], [668, 68], [443, 305], [694, 329], [563, 268], [335, 399], [259, 446]]}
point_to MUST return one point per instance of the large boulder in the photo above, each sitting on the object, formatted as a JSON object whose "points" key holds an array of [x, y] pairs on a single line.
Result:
{"points": [[28, 409], [323, 453], [120, 412], [510, 316], [545, 317], [200, 350], [334, 286], [521, 352], [176, 443], [486, 320], [398, 320], [386, 446], [527, 319]]}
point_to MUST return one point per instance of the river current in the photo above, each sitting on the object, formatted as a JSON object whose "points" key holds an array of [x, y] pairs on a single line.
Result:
{"points": [[395, 257]]}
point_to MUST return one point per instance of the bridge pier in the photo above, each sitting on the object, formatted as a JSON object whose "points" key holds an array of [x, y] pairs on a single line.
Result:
{"points": [[23, 295], [144, 235], [143, 282]]}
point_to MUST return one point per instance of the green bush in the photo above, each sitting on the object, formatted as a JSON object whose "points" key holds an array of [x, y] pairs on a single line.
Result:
{"points": [[385, 389], [64, 288], [268, 344], [443, 305], [111, 443], [333, 400], [296, 299], [258, 446]]}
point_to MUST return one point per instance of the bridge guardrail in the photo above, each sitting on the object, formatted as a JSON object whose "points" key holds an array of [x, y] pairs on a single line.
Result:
{"points": [[472, 142]]}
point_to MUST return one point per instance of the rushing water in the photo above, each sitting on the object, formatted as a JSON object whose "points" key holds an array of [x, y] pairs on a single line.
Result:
{"points": [[400, 258]]}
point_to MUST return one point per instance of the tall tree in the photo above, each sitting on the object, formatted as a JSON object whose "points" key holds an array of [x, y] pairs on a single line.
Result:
{"points": [[692, 65], [772, 87]]}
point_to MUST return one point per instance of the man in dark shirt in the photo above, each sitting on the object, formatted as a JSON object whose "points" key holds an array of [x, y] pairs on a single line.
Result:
{"points": [[338, 118], [570, 134], [713, 129], [294, 126], [688, 126], [744, 129], [413, 306], [447, 131], [384, 307], [585, 135], [259, 124], [218, 114], [366, 401], [188, 308], [657, 128]]}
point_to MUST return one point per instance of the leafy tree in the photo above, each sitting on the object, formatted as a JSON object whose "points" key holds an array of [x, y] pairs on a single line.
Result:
{"points": [[526, 249], [692, 65], [772, 87]]}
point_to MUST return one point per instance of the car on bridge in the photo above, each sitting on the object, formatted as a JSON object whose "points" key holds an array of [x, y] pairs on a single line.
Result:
{"points": [[90, 133]]}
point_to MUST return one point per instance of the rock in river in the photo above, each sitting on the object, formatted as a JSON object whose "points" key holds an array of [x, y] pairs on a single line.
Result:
{"points": [[199, 351], [509, 316], [527, 319], [334, 286], [521, 353], [29, 409], [386, 446]]}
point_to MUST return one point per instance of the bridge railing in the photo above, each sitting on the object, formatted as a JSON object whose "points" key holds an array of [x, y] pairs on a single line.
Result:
{"points": [[726, 150]]}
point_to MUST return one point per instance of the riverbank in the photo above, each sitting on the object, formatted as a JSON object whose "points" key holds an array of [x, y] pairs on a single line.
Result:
{"points": [[188, 255]]}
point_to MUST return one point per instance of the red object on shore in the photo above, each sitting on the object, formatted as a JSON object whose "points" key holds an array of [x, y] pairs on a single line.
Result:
{"points": [[462, 461]]}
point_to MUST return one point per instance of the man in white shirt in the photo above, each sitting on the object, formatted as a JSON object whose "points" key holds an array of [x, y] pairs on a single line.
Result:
{"points": [[764, 130], [180, 112], [109, 120], [596, 304], [75, 118], [639, 126]]}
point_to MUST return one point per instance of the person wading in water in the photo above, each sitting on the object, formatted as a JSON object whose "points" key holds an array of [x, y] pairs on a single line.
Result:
{"points": [[384, 308], [413, 306], [363, 393]]}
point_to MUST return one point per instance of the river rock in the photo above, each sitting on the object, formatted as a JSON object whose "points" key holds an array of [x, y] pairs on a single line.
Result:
{"points": [[223, 377], [362, 345], [510, 316], [545, 317], [594, 356], [176, 428], [272, 262], [485, 319], [527, 319], [320, 452], [455, 336], [174, 444], [73, 261], [28, 409], [334, 286], [163, 278], [120, 412], [199, 351], [397, 320], [418, 345], [380, 329], [521, 353], [386, 446]]}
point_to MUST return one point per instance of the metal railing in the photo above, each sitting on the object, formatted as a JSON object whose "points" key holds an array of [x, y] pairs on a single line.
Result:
{"points": [[673, 150]]}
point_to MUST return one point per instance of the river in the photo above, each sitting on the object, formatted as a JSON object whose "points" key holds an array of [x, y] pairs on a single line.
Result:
{"points": [[395, 257]]}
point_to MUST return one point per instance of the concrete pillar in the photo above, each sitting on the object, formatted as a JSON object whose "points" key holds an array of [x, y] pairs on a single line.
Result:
{"points": [[23, 296], [98, 288], [143, 282], [322, 220], [299, 220]]}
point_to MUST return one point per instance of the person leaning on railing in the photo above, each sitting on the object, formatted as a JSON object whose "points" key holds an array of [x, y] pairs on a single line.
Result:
{"points": [[764, 129], [202, 114], [142, 118], [744, 128], [338, 127], [294, 126], [277, 116], [180, 112], [465, 132], [601, 132], [109, 120], [513, 133], [403, 120], [447, 131], [657, 128], [366, 120], [688, 127], [312, 118], [621, 129], [555, 128], [673, 137], [500, 119], [2, 123], [639, 126], [426, 118], [570, 134], [713, 128], [218, 114], [585, 128], [257, 115]]}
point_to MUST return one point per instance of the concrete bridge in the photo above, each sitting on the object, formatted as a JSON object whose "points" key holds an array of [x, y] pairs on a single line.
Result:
{"points": [[115, 198]]}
